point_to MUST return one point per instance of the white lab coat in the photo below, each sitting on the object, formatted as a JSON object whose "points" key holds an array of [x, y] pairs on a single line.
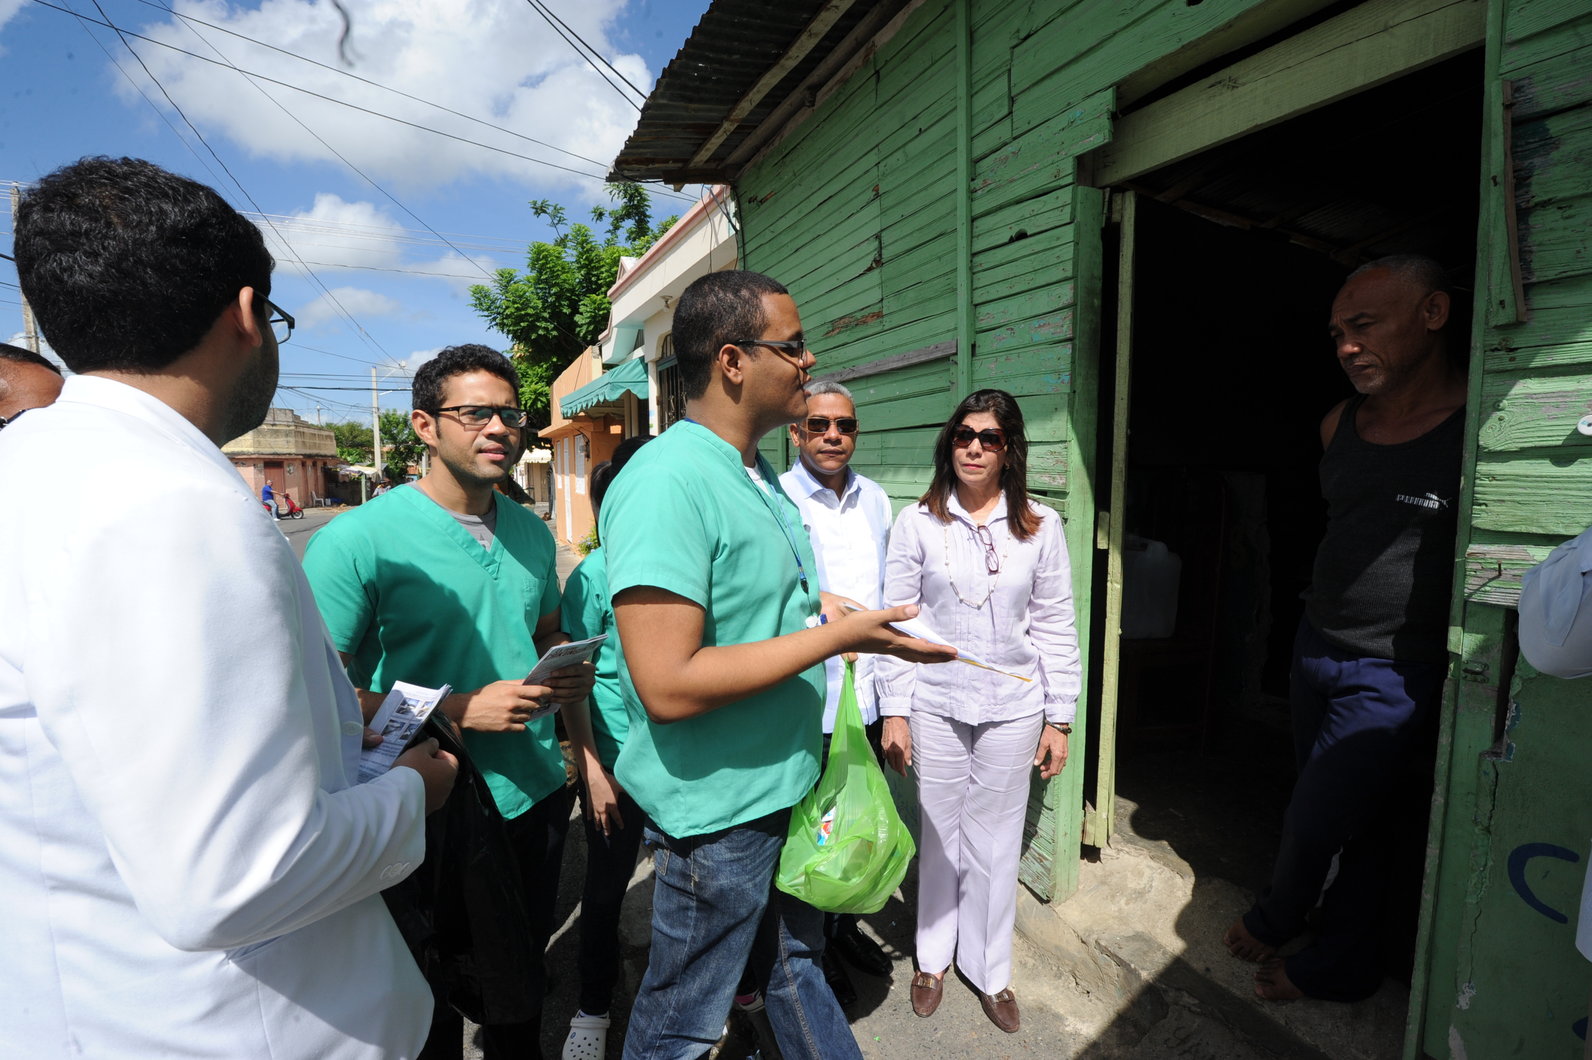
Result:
{"points": [[187, 866]]}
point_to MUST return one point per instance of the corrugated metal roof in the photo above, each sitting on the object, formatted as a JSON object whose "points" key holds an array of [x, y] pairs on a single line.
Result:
{"points": [[735, 45]]}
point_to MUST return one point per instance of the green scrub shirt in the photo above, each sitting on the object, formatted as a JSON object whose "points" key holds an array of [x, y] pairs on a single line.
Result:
{"points": [[411, 596], [685, 517]]}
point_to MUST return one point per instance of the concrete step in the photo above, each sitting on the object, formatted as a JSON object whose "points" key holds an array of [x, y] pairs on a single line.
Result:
{"points": [[1142, 938]]}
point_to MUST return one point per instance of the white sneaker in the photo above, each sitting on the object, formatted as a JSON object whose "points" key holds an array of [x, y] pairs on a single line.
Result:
{"points": [[588, 1038]]}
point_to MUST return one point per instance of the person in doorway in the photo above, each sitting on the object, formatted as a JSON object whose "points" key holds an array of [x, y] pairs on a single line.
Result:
{"points": [[847, 518], [438, 583], [27, 381], [1371, 652], [1556, 638], [721, 636], [612, 818], [990, 567], [189, 864]]}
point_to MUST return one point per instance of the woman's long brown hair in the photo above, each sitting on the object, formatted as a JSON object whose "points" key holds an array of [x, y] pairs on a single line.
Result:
{"points": [[1020, 519]]}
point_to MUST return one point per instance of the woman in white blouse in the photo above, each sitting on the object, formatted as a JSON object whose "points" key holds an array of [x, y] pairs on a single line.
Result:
{"points": [[989, 569]]}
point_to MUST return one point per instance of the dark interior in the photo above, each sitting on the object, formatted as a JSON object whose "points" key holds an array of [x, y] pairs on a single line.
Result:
{"points": [[1239, 253]]}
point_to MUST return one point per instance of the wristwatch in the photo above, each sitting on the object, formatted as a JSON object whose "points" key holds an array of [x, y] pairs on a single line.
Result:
{"points": [[1063, 727]]}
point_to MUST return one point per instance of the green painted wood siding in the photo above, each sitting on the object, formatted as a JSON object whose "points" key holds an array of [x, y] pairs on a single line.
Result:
{"points": [[1505, 977]]}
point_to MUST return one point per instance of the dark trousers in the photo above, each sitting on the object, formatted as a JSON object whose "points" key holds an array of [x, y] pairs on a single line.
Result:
{"points": [[610, 862], [537, 837], [1362, 739]]}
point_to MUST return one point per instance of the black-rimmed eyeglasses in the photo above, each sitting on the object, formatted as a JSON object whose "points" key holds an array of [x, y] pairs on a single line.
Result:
{"points": [[795, 349], [476, 417], [992, 560], [278, 319]]}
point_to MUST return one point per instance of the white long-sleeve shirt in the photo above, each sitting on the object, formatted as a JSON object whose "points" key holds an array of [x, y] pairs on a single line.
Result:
{"points": [[849, 533], [187, 864], [1556, 638], [1020, 620]]}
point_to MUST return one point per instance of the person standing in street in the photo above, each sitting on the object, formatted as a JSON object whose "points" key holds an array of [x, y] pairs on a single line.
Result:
{"points": [[847, 518], [722, 633], [445, 582], [1371, 653], [990, 568], [188, 863]]}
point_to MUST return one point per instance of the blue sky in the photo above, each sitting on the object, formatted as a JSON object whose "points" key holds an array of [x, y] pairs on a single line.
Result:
{"points": [[397, 291]]}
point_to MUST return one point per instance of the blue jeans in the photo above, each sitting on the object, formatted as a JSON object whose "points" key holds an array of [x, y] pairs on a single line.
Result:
{"points": [[715, 911], [1362, 734]]}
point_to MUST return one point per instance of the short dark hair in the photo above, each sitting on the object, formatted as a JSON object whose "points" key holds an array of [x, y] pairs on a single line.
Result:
{"points": [[127, 266], [459, 360], [1020, 519], [602, 476], [19, 355], [717, 308]]}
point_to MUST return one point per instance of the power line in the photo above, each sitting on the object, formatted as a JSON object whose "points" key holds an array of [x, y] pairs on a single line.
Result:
{"points": [[562, 28], [359, 329], [124, 33], [320, 140]]}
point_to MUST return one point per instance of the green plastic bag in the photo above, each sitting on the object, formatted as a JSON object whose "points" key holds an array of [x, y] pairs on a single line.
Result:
{"points": [[847, 850]]}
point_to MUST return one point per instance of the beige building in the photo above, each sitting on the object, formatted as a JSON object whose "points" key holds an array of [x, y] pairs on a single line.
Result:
{"points": [[293, 455]]}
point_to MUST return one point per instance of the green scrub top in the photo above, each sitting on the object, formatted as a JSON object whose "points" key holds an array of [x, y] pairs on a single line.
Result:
{"points": [[587, 613], [684, 516], [411, 596]]}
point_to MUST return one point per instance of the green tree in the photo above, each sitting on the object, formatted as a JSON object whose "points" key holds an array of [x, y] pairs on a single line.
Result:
{"points": [[559, 305], [353, 441], [400, 447]]}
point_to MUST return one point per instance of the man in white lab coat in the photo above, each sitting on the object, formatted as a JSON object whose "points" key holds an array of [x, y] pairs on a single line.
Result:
{"points": [[187, 864]]}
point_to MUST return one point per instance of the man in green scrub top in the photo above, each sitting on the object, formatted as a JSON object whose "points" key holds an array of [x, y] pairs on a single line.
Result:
{"points": [[446, 582], [716, 600]]}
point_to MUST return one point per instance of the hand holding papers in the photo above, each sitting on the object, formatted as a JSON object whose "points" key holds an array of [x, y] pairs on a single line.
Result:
{"points": [[556, 658], [398, 719], [916, 627]]}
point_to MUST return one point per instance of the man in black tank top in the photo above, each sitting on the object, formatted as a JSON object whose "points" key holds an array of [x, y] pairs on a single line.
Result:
{"points": [[1371, 653]]}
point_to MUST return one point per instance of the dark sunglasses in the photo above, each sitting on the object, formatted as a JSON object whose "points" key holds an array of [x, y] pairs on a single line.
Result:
{"points": [[478, 416], [991, 439], [820, 424]]}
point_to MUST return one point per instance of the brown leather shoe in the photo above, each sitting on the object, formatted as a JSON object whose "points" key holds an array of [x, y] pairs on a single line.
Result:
{"points": [[926, 993], [1001, 1009]]}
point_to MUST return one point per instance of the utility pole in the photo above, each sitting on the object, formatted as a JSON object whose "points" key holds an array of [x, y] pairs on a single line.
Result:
{"points": [[375, 422], [29, 329]]}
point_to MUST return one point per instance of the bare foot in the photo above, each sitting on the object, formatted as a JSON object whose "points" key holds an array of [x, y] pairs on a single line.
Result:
{"points": [[1272, 983], [1246, 947]]}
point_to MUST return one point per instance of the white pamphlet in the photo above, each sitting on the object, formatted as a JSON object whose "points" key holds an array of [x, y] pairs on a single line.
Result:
{"points": [[558, 658], [398, 719], [916, 627]]}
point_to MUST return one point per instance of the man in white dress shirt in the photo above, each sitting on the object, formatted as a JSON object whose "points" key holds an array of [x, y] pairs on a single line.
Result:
{"points": [[848, 518], [188, 865]]}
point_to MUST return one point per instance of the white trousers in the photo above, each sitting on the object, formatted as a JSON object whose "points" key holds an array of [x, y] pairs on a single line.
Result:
{"points": [[973, 785]]}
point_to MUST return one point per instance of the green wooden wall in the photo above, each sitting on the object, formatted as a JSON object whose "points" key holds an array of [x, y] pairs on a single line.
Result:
{"points": [[1505, 979]]}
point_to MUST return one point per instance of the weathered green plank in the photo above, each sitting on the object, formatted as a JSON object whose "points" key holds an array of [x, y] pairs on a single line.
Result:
{"points": [[1552, 157], [1556, 241], [1042, 303], [1553, 337], [1536, 412], [1493, 570], [1531, 18], [1053, 242], [1025, 274], [1533, 494], [1022, 220], [1550, 74], [1043, 159]]}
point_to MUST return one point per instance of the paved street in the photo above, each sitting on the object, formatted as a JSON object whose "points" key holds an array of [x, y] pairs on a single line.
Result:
{"points": [[298, 531]]}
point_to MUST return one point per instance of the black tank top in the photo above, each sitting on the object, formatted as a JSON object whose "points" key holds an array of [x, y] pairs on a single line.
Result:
{"points": [[1383, 572]]}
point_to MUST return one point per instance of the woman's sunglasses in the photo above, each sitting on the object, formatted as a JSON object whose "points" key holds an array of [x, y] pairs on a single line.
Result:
{"points": [[991, 439]]}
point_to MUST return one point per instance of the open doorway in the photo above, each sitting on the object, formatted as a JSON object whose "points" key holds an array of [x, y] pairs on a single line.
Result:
{"points": [[1238, 253]]}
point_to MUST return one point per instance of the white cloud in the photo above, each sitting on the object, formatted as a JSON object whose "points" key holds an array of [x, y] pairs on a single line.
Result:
{"points": [[359, 302], [334, 233], [9, 8], [494, 59]]}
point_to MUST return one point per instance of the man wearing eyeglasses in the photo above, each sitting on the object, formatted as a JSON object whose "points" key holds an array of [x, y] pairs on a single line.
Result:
{"points": [[27, 381], [847, 517], [189, 865], [446, 582], [715, 596]]}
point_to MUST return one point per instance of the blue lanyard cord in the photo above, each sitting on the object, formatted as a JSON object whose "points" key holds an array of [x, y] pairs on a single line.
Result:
{"points": [[766, 492]]}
